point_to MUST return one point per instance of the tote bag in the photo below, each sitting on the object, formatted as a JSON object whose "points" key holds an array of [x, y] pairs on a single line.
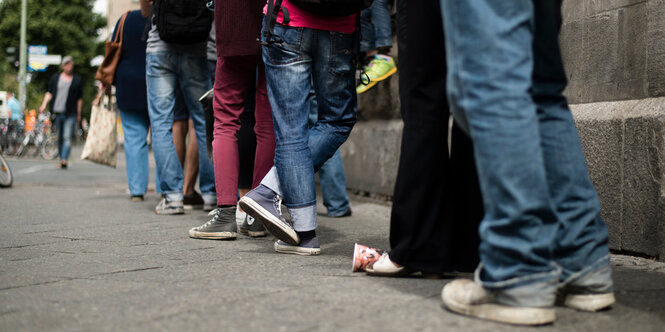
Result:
{"points": [[102, 142]]}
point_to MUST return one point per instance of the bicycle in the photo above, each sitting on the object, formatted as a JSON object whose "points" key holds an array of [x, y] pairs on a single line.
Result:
{"points": [[43, 138], [6, 176]]}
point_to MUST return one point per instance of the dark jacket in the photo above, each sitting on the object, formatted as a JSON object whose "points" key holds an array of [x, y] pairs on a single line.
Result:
{"points": [[75, 92], [130, 87], [237, 25]]}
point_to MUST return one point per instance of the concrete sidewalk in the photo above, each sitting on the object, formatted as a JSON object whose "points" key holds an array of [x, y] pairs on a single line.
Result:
{"points": [[78, 255]]}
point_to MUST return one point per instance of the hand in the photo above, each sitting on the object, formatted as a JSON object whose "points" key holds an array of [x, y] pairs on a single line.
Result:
{"points": [[42, 108]]}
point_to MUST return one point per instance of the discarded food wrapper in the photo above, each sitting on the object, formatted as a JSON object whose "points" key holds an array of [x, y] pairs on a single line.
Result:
{"points": [[363, 256]]}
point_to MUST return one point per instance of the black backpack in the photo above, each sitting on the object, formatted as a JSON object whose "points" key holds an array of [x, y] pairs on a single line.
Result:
{"points": [[182, 21]]}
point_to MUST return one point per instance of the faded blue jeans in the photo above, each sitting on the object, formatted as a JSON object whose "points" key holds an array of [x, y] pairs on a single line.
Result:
{"points": [[505, 81], [165, 70], [376, 26], [135, 124], [64, 124], [325, 59], [332, 177]]}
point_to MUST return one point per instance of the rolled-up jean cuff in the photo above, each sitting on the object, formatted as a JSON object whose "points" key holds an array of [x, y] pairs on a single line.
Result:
{"points": [[304, 218], [209, 198], [271, 180], [383, 43], [173, 196], [535, 290], [596, 278]]}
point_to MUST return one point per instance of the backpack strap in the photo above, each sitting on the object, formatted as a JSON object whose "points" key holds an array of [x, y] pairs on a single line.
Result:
{"points": [[271, 19]]}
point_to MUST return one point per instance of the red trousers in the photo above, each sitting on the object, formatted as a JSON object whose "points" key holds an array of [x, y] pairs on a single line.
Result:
{"points": [[233, 76]]}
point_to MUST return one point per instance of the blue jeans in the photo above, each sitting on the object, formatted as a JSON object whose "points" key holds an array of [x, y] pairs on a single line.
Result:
{"points": [[64, 124], [135, 124], [542, 222], [324, 59], [375, 26], [165, 70], [332, 177]]}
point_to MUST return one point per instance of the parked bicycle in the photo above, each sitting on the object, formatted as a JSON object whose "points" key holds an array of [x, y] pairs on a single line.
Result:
{"points": [[42, 137], [6, 176]]}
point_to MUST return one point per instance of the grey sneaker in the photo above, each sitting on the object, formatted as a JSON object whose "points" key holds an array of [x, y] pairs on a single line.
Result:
{"points": [[305, 248], [264, 205], [166, 207], [221, 226], [252, 228]]}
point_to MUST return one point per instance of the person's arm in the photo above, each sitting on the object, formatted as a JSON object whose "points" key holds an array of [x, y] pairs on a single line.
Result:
{"points": [[47, 99], [146, 6]]}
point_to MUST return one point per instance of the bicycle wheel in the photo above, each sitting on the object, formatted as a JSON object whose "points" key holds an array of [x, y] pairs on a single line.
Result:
{"points": [[6, 177], [49, 149]]}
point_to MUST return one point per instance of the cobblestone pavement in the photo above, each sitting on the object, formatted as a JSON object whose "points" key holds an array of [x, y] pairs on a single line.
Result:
{"points": [[77, 255]]}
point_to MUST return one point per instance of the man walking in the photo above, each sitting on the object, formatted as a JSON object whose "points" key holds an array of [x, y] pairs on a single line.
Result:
{"points": [[65, 99]]}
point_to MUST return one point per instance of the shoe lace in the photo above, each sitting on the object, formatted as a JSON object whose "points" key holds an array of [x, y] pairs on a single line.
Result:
{"points": [[212, 213], [277, 201]]}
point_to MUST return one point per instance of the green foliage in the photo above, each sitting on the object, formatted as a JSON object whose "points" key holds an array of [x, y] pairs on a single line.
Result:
{"points": [[67, 27]]}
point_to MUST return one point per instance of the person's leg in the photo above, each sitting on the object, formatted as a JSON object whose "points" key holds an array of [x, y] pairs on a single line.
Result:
{"points": [[247, 144], [191, 161], [135, 128], [263, 128], [179, 138], [193, 79], [161, 82], [67, 136], [59, 122], [333, 187], [232, 83], [367, 31], [420, 238], [488, 86], [382, 24], [581, 245]]}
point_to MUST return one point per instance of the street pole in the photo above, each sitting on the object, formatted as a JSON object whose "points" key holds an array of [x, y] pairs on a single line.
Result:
{"points": [[23, 63]]}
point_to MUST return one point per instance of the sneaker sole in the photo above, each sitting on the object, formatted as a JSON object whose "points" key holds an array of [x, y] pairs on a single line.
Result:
{"points": [[275, 226], [297, 250], [212, 235], [386, 75], [192, 207], [170, 213], [589, 302], [366, 87], [253, 233], [501, 313]]}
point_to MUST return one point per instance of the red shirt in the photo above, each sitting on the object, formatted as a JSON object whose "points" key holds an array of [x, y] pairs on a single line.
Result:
{"points": [[303, 19]]}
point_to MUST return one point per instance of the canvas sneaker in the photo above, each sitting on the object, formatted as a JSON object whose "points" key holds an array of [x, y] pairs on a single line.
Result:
{"points": [[166, 207], [379, 69], [221, 226], [590, 290], [265, 206], [308, 247], [192, 201], [252, 228], [466, 297]]}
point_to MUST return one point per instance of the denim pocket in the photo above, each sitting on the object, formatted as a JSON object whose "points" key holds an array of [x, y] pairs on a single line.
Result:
{"points": [[341, 54], [289, 50]]}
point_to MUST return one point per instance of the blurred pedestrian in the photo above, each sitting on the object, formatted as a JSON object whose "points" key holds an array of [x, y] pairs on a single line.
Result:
{"points": [[132, 102], [542, 235], [171, 64], [376, 42], [64, 97]]}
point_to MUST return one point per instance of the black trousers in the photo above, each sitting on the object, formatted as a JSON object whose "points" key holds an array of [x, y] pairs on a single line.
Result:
{"points": [[437, 205]]}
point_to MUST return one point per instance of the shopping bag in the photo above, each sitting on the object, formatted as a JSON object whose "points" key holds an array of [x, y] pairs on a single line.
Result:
{"points": [[102, 141]]}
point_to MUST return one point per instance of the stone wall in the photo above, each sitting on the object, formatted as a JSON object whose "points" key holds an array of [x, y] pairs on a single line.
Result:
{"points": [[614, 52]]}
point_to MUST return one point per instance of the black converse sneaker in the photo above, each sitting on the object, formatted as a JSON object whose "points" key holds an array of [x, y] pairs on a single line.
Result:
{"points": [[252, 228], [264, 205], [222, 226]]}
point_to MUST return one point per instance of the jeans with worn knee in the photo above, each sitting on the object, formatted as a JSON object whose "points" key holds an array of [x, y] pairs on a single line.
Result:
{"points": [[332, 177], [64, 124], [505, 83], [324, 59], [375, 26], [165, 70]]}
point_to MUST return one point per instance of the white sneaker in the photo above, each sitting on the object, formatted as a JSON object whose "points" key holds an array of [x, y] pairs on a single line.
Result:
{"points": [[468, 298], [384, 267]]}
